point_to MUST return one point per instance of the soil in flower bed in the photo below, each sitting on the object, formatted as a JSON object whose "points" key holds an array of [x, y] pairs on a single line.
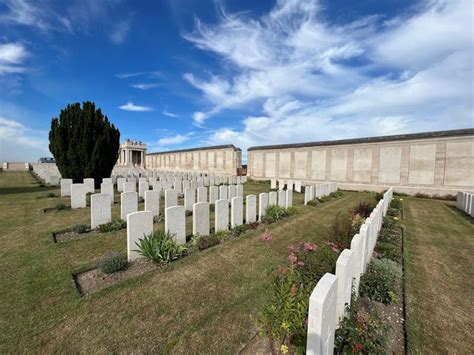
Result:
{"points": [[91, 281], [68, 235]]}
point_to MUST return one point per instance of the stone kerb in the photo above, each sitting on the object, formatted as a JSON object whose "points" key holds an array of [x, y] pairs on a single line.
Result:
{"points": [[221, 215], [322, 316], [101, 211], [128, 204], [250, 209], [201, 218], [237, 211], [175, 223], [139, 225], [152, 202], [344, 273]]}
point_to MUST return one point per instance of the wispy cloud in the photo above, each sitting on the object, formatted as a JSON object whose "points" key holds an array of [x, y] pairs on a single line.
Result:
{"points": [[150, 74], [173, 140], [119, 32], [169, 114], [301, 69], [12, 56], [145, 86], [130, 106]]}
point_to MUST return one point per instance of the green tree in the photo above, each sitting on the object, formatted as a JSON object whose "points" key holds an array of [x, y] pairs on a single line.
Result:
{"points": [[83, 142]]}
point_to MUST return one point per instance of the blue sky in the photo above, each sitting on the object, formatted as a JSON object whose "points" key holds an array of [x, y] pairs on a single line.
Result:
{"points": [[188, 73]]}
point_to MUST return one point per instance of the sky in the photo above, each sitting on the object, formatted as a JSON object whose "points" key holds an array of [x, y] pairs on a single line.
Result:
{"points": [[187, 73]]}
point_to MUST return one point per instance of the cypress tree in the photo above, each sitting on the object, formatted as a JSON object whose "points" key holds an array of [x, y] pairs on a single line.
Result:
{"points": [[83, 142]]}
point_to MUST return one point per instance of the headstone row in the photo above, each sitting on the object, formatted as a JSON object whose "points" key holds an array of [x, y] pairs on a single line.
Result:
{"points": [[314, 191], [332, 294], [465, 202]]}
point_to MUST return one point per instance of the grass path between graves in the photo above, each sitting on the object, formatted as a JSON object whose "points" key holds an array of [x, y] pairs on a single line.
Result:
{"points": [[205, 303], [439, 249]]}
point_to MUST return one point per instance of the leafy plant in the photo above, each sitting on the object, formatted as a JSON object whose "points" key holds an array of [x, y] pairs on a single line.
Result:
{"points": [[292, 210], [323, 199], [314, 202], [336, 194], [380, 280], [206, 241], [112, 262], [389, 251], [237, 231], [113, 226], [60, 206], [341, 229], [361, 331], [80, 228], [275, 213], [364, 209], [160, 247]]}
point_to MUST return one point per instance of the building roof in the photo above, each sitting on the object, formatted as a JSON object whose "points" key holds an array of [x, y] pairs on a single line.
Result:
{"points": [[197, 149], [398, 137]]}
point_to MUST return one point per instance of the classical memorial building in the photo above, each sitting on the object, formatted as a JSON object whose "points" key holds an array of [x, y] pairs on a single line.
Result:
{"points": [[221, 159], [132, 153]]}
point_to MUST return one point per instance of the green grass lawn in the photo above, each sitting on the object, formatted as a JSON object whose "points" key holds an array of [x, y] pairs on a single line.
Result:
{"points": [[205, 303], [439, 249]]}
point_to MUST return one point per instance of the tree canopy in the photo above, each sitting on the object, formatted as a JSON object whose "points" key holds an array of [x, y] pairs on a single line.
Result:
{"points": [[83, 142]]}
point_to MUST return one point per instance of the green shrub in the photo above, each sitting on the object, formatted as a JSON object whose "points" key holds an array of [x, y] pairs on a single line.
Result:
{"points": [[323, 199], [206, 241], [336, 194], [237, 231], [396, 203], [361, 332], [341, 229], [50, 194], [380, 280], [292, 210], [390, 235], [113, 226], [80, 228], [111, 262], [60, 206], [314, 202], [159, 247], [389, 251], [275, 213]]}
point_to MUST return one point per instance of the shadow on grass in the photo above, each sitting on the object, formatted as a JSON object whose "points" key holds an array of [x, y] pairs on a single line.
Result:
{"points": [[461, 213], [20, 190]]}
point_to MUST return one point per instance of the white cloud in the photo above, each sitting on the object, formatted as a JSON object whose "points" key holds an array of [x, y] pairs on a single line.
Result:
{"points": [[169, 114], [145, 86], [173, 140], [119, 32], [150, 74], [12, 56], [416, 73], [130, 106], [20, 143]]}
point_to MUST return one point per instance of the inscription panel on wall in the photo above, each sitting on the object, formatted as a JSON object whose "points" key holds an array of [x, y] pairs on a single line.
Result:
{"points": [[220, 160], [270, 161], [300, 165], [339, 164], [318, 165], [203, 160], [459, 164], [258, 164], [389, 164], [362, 165], [211, 162], [228, 160], [422, 164], [285, 163], [196, 161]]}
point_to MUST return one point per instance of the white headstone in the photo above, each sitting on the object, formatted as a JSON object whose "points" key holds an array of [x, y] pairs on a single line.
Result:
{"points": [[272, 198], [232, 192], [66, 187], [101, 211], [298, 186], [344, 272], [139, 225], [175, 223], [237, 211], [240, 190], [171, 198], [289, 198], [282, 198], [223, 192], [120, 182], [108, 188], [201, 218], [358, 261], [129, 186], [89, 183], [78, 196], [322, 317], [273, 184], [250, 209], [213, 194], [222, 215], [152, 202], [307, 195], [128, 204], [189, 198], [142, 187], [202, 194], [262, 204]]}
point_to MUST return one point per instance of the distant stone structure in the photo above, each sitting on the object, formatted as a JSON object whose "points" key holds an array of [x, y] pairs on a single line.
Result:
{"points": [[221, 159], [432, 162], [132, 153]]}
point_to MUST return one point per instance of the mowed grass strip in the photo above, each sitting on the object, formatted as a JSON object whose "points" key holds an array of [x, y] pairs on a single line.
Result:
{"points": [[439, 249], [204, 303]]}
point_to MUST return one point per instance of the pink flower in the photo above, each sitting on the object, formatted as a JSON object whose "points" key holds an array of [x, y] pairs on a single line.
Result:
{"points": [[292, 258], [267, 237], [301, 263], [292, 248], [309, 246]]}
